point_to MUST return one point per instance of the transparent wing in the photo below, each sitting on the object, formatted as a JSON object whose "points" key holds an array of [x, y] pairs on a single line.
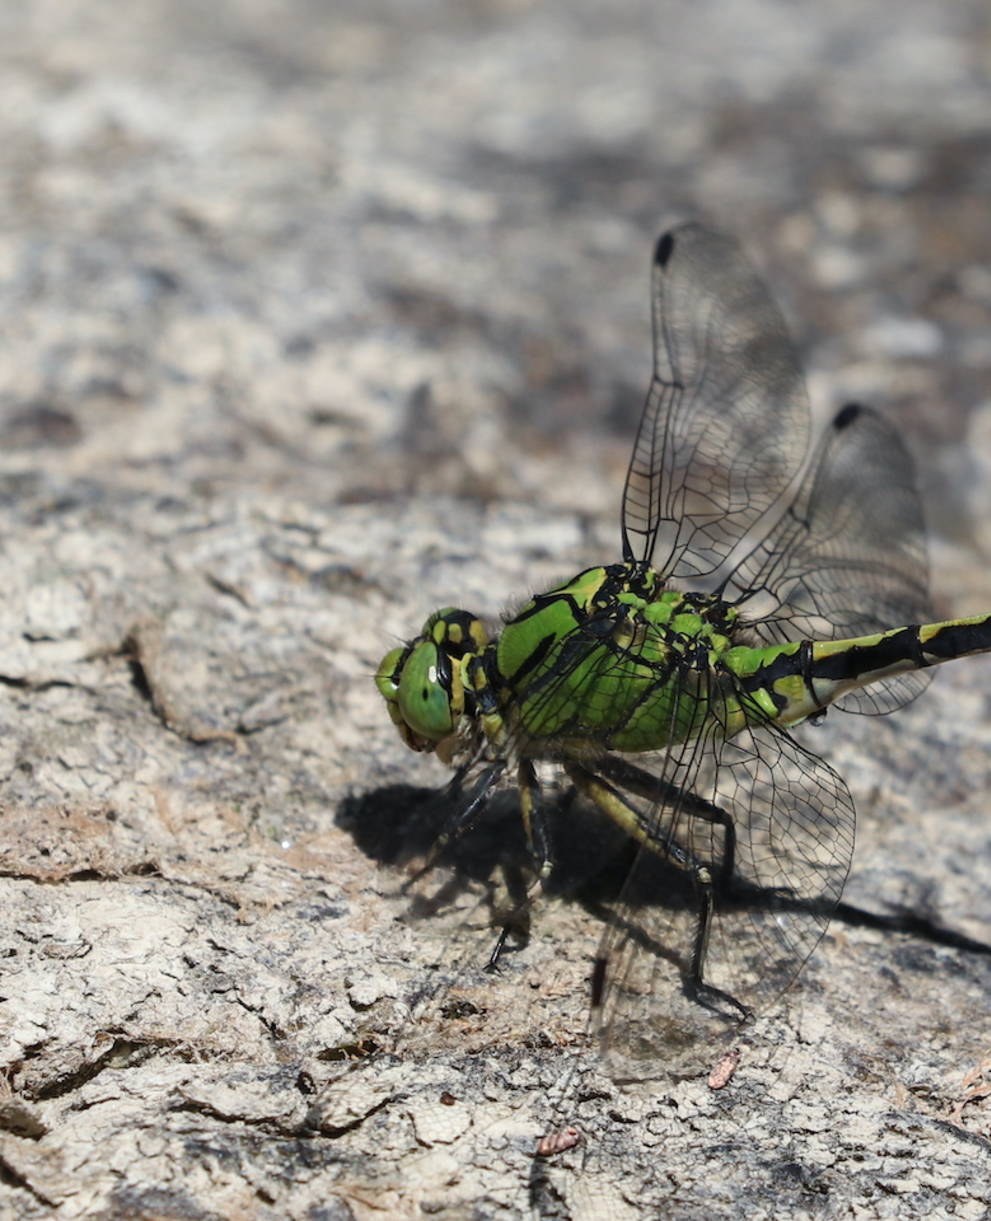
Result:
{"points": [[769, 823], [848, 558], [726, 422], [794, 829]]}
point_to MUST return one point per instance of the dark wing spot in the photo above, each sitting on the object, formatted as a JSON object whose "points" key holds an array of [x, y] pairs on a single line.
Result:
{"points": [[663, 249], [846, 416]]}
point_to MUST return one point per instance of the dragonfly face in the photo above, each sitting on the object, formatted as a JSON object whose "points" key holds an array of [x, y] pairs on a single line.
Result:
{"points": [[819, 563], [423, 683]]}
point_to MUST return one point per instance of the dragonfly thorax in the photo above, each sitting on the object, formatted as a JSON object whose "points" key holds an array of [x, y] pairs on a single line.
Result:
{"points": [[624, 608], [610, 657]]}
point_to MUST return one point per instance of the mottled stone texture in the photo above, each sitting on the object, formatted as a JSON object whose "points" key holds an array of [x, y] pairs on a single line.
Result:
{"points": [[317, 316]]}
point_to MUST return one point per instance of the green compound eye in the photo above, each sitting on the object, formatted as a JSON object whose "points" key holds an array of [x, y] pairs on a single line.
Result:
{"points": [[425, 692], [422, 682], [387, 677]]}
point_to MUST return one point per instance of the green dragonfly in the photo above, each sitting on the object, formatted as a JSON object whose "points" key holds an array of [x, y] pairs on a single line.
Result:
{"points": [[760, 585]]}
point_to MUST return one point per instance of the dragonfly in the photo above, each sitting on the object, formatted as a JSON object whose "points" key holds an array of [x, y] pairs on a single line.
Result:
{"points": [[763, 581]]}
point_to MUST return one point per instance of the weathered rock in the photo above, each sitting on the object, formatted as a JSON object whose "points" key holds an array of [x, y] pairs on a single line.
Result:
{"points": [[317, 318]]}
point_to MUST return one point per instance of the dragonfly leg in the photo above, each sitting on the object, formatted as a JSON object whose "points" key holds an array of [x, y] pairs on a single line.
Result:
{"points": [[455, 826], [705, 994], [679, 800], [458, 822], [539, 843], [497, 950], [612, 802], [533, 820]]}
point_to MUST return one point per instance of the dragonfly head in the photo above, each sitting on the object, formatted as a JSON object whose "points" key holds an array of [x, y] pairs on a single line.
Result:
{"points": [[423, 682]]}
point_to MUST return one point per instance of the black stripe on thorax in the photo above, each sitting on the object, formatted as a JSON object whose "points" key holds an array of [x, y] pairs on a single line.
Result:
{"points": [[533, 658], [541, 602]]}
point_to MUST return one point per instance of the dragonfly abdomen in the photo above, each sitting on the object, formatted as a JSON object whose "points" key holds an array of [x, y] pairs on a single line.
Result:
{"points": [[794, 681]]}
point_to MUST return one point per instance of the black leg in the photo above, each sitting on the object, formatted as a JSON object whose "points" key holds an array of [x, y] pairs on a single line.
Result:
{"points": [[531, 811], [457, 823], [707, 995]]}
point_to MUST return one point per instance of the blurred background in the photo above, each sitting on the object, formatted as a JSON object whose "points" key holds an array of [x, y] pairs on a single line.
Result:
{"points": [[403, 247]]}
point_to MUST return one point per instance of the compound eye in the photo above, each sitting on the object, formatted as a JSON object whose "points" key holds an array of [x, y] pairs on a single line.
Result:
{"points": [[388, 674], [425, 692]]}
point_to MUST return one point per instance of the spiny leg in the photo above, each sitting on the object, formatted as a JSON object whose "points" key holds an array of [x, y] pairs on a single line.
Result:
{"points": [[535, 829], [623, 812], [708, 995], [457, 823], [664, 793], [531, 811]]}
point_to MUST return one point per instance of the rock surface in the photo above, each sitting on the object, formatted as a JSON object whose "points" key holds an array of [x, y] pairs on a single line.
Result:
{"points": [[318, 317]]}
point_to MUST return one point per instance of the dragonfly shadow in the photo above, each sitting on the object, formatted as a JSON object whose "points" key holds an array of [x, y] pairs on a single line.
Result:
{"points": [[652, 885], [925, 925], [595, 864], [400, 826], [486, 867], [593, 859]]}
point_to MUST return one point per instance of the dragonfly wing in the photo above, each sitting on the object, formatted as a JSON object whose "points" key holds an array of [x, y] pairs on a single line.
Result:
{"points": [[726, 422], [794, 821], [848, 557]]}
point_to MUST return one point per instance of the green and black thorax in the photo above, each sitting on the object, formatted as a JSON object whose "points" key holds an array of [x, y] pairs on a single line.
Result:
{"points": [[612, 659], [612, 656]]}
